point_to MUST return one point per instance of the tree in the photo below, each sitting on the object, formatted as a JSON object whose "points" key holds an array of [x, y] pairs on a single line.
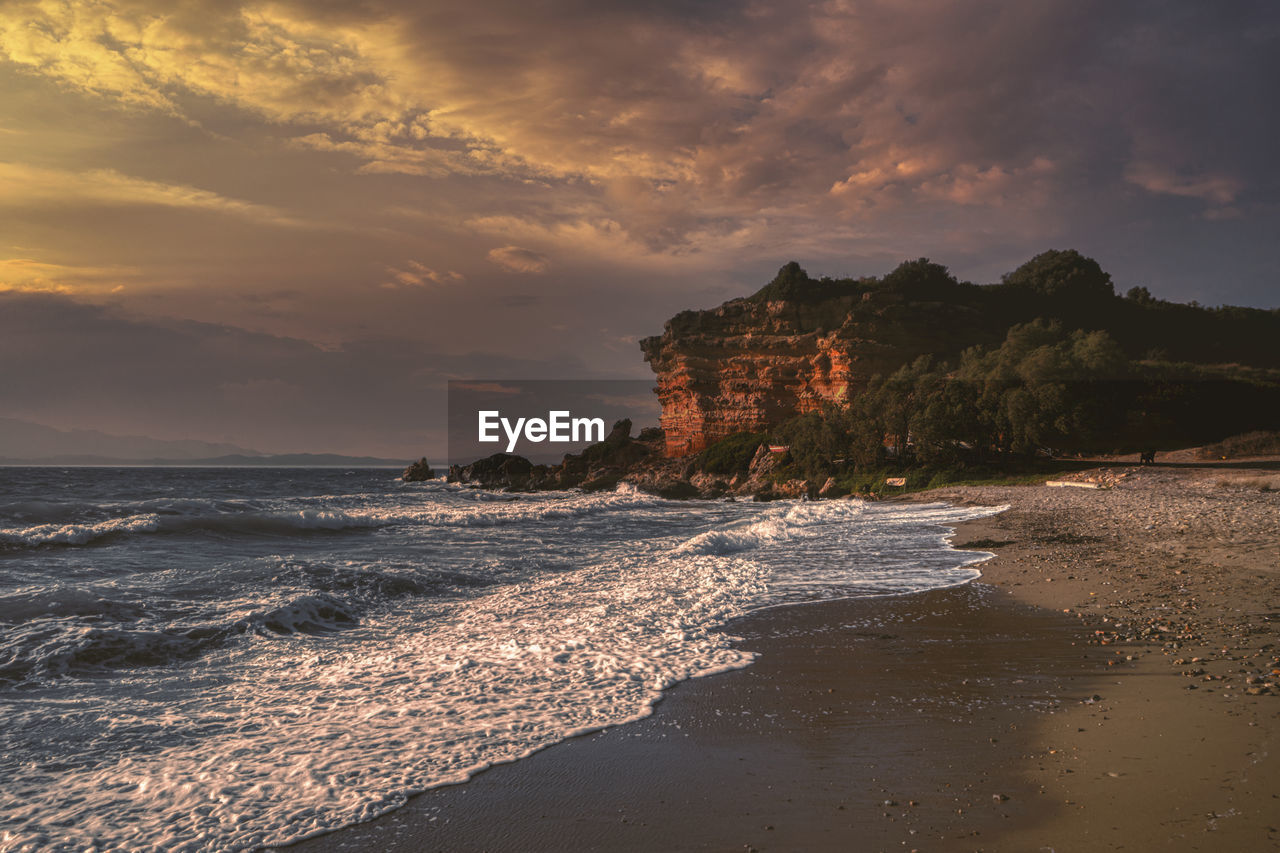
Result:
{"points": [[791, 283], [922, 280], [1140, 295], [1063, 274]]}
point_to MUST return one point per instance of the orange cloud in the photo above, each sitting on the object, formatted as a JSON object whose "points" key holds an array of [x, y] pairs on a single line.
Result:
{"points": [[518, 260], [30, 275], [28, 185], [637, 133], [416, 274]]}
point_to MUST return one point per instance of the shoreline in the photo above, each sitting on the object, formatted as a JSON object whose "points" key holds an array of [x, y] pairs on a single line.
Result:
{"points": [[1174, 574], [1017, 711]]}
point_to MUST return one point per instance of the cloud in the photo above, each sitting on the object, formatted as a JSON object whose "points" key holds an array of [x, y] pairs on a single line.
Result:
{"points": [[259, 56], [28, 185], [1220, 190], [485, 387], [640, 146], [392, 155], [680, 122], [416, 274], [28, 274], [518, 260]]}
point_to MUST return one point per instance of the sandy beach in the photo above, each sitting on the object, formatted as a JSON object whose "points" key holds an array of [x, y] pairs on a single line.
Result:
{"points": [[1110, 683]]}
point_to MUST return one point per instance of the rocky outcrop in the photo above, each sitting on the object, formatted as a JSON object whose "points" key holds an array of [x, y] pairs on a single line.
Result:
{"points": [[752, 363], [418, 471], [598, 467], [639, 462], [505, 471]]}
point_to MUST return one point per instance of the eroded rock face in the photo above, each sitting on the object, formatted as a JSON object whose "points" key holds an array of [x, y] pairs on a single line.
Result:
{"points": [[799, 344], [747, 366]]}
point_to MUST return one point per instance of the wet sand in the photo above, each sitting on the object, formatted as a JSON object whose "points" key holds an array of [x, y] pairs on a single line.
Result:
{"points": [[1042, 707]]}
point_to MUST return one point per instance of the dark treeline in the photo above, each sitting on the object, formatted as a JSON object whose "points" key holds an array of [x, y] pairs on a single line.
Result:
{"points": [[1050, 362], [923, 298]]}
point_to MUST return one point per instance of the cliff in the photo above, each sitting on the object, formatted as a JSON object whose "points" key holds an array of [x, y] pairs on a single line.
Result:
{"points": [[1048, 362], [796, 346], [799, 344]]}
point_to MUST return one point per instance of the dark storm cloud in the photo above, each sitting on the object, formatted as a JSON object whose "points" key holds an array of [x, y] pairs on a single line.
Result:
{"points": [[383, 167], [715, 128]]}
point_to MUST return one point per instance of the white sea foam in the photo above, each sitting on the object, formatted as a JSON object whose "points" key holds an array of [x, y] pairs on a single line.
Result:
{"points": [[782, 522], [310, 740], [78, 534]]}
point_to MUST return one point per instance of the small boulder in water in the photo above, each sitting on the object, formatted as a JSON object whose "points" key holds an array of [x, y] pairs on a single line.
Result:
{"points": [[418, 471]]}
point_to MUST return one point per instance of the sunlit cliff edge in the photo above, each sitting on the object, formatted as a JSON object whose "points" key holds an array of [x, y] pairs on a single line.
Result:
{"points": [[799, 343]]}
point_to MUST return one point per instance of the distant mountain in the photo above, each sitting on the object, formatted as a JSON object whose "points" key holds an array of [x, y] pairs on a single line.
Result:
{"points": [[26, 443], [21, 439]]}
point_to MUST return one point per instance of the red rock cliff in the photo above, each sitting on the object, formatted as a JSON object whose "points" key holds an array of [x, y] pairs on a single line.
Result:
{"points": [[747, 366], [798, 344]]}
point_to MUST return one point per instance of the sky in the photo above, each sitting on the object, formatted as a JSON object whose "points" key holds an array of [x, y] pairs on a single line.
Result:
{"points": [[286, 225]]}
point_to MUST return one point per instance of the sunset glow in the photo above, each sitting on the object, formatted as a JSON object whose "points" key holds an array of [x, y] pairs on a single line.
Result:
{"points": [[279, 223]]}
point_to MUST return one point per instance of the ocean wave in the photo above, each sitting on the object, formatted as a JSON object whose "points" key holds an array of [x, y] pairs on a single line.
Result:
{"points": [[59, 631], [42, 535], [35, 510], [511, 509], [307, 614], [731, 540], [43, 649], [62, 602], [781, 524], [229, 517], [261, 734], [372, 585], [49, 647], [78, 534]]}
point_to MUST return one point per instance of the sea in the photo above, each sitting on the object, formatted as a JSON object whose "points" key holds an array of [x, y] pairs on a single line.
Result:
{"points": [[215, 659]]}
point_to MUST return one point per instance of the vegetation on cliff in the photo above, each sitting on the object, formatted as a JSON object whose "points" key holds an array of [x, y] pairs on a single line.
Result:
{"points": [[799, 344], [919, 374], [1055, 285]]}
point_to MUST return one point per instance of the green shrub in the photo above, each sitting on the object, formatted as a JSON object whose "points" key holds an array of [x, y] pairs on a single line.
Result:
{"points": [[731, 455]]}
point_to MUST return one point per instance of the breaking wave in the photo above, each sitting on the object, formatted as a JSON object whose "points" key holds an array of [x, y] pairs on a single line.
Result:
{"points": [[252, 521], [229, 679], [782, 524]]}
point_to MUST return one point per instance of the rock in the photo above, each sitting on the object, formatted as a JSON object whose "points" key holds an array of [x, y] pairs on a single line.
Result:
{"points": [[502, 471], [797, 346], [418, 471], [620, 433], [650, 435], [830, 489], [797, 488], [677, 490], [603, 479]]}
